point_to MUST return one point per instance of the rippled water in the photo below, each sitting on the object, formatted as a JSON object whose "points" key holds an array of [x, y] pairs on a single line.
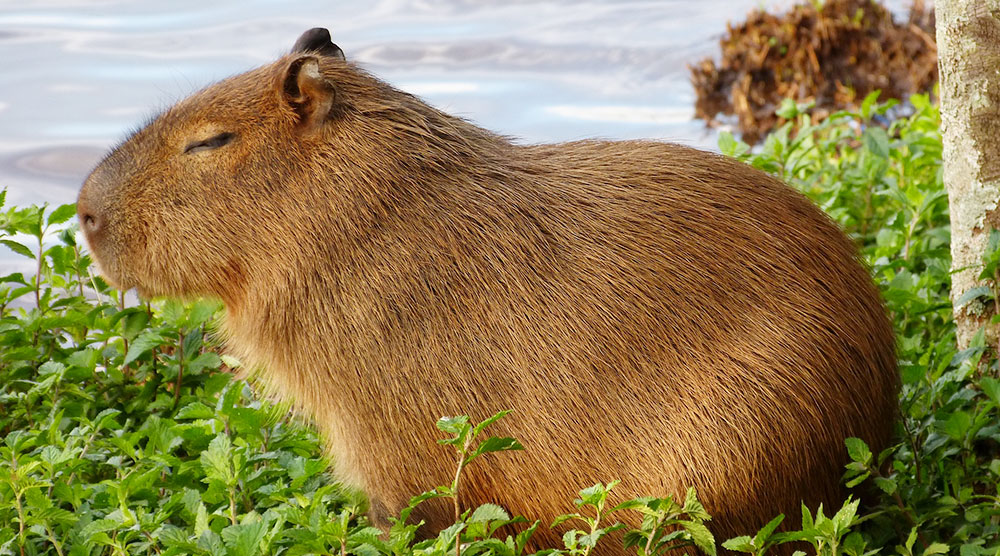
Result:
{"points": [[76, 76]]}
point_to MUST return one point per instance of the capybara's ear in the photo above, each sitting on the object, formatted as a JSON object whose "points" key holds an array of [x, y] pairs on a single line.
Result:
{"points": [[307, 91], [317, 40]]}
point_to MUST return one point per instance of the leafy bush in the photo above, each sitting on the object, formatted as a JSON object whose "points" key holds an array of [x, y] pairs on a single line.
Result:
{"points": [[940, 483], [125, 432]]}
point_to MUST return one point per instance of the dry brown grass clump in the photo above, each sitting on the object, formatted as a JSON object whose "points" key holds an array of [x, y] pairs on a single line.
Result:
{"points": [[832, 53]]}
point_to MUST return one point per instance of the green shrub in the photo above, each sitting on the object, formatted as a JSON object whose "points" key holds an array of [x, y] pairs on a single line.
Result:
{"points": [[939, 484], [125, 432]]}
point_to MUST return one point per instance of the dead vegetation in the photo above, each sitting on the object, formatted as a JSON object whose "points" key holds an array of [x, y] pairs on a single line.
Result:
{"points": [[831, 53]]}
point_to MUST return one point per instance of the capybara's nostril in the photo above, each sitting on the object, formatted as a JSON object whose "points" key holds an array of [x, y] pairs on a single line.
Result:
{"points": [[90, 221]]}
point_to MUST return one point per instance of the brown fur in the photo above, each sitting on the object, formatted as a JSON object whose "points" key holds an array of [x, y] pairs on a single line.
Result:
{"points": [[652, 313]]}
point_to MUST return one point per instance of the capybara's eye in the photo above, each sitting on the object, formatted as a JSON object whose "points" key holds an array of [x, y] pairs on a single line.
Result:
{"points": [[210, 143]]}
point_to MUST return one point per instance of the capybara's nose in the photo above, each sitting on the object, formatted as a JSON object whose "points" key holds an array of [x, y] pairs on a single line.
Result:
{"points": [[91, 220]]}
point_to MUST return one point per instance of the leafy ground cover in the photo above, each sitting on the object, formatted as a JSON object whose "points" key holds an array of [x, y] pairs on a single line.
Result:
{"points": [[126, 432]]}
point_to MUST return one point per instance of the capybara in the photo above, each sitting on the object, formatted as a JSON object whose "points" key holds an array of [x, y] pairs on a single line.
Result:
{"points": [[652, 313]]}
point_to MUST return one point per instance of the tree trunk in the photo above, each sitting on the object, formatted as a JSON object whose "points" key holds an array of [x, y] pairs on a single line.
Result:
{"points": [[968, 38]]}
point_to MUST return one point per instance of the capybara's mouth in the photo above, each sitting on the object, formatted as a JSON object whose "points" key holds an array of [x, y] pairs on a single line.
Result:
{"points": [[115, 279], [106, 262]]}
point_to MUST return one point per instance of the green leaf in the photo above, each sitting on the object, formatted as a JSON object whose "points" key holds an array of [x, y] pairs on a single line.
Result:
{"points": [[217, 460], [142, 345], [858, 480], [191, 344], [854, 544], [522, 538], [230, 361], [106, 418], [807, 518], [936, 548], [740, 544], [62, 214], [957, 425], [912, 538], [559, 520], [56, 515], [207, 360], [868, 103], [365, 549], [637, 504], [991, 387], [700, 535], [458, 426], [172, 312], [51, 367], [18, 248], [439, 492], [970, 549], [887, 486], [489, 512], [973, 293], [495, 444], [730, 146], [99, 526], [788, 109], [210, 543], [877, 141], [135, 322], [84, 358], [453, 425], [230, 398], [594, 495], [244, 539], [490, 420], [247, 420], [201, 311], [17, 440], [195, 410], [844, 517], [858, 450], [764, 535], [31, 223], [201, 520], [692, 506]]}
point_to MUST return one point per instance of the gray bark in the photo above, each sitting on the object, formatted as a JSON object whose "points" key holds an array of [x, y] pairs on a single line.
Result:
{"points": [[968, 37]]}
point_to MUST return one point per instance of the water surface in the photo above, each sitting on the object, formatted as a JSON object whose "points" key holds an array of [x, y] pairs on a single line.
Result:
{"points": [[78, 75]]}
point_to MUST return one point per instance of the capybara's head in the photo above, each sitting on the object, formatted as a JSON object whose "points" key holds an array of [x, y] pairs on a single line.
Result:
{"points": [[234, 170]]}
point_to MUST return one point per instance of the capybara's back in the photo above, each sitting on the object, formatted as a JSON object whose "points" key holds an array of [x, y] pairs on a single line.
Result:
{"points": [[651, 313]]}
